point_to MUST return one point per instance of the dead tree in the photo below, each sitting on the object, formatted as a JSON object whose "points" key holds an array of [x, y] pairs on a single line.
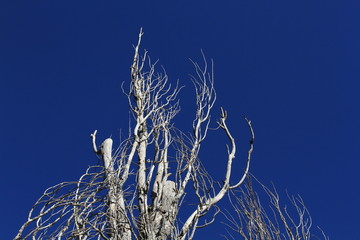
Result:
{"points": [[138, 191]]}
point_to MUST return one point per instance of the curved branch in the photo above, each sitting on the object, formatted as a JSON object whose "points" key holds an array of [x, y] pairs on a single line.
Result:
{"points": [[248, 157]]}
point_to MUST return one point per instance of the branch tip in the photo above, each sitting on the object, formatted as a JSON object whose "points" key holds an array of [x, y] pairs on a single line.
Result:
{"points": [[93, 137]]}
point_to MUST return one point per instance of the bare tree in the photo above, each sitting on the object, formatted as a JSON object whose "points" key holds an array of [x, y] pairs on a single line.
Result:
{"points": [[250, 220], [138, 191]]}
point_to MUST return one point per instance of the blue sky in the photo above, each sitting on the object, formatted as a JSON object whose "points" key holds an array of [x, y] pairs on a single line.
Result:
{"points": [[290, 66]]}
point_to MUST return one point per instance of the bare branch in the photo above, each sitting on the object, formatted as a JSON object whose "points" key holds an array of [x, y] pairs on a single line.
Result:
{"points": [[253, 222]]}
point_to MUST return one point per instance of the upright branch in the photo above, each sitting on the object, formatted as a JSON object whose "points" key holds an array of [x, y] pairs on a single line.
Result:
{"points": [[205, 100], [150, 99]]}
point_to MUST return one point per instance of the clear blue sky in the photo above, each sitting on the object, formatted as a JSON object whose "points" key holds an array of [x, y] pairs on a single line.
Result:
{"points": [[290, 66]]}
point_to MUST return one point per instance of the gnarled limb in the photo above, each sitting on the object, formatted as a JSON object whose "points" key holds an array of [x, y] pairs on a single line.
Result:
{"points": [[192, 220]]}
